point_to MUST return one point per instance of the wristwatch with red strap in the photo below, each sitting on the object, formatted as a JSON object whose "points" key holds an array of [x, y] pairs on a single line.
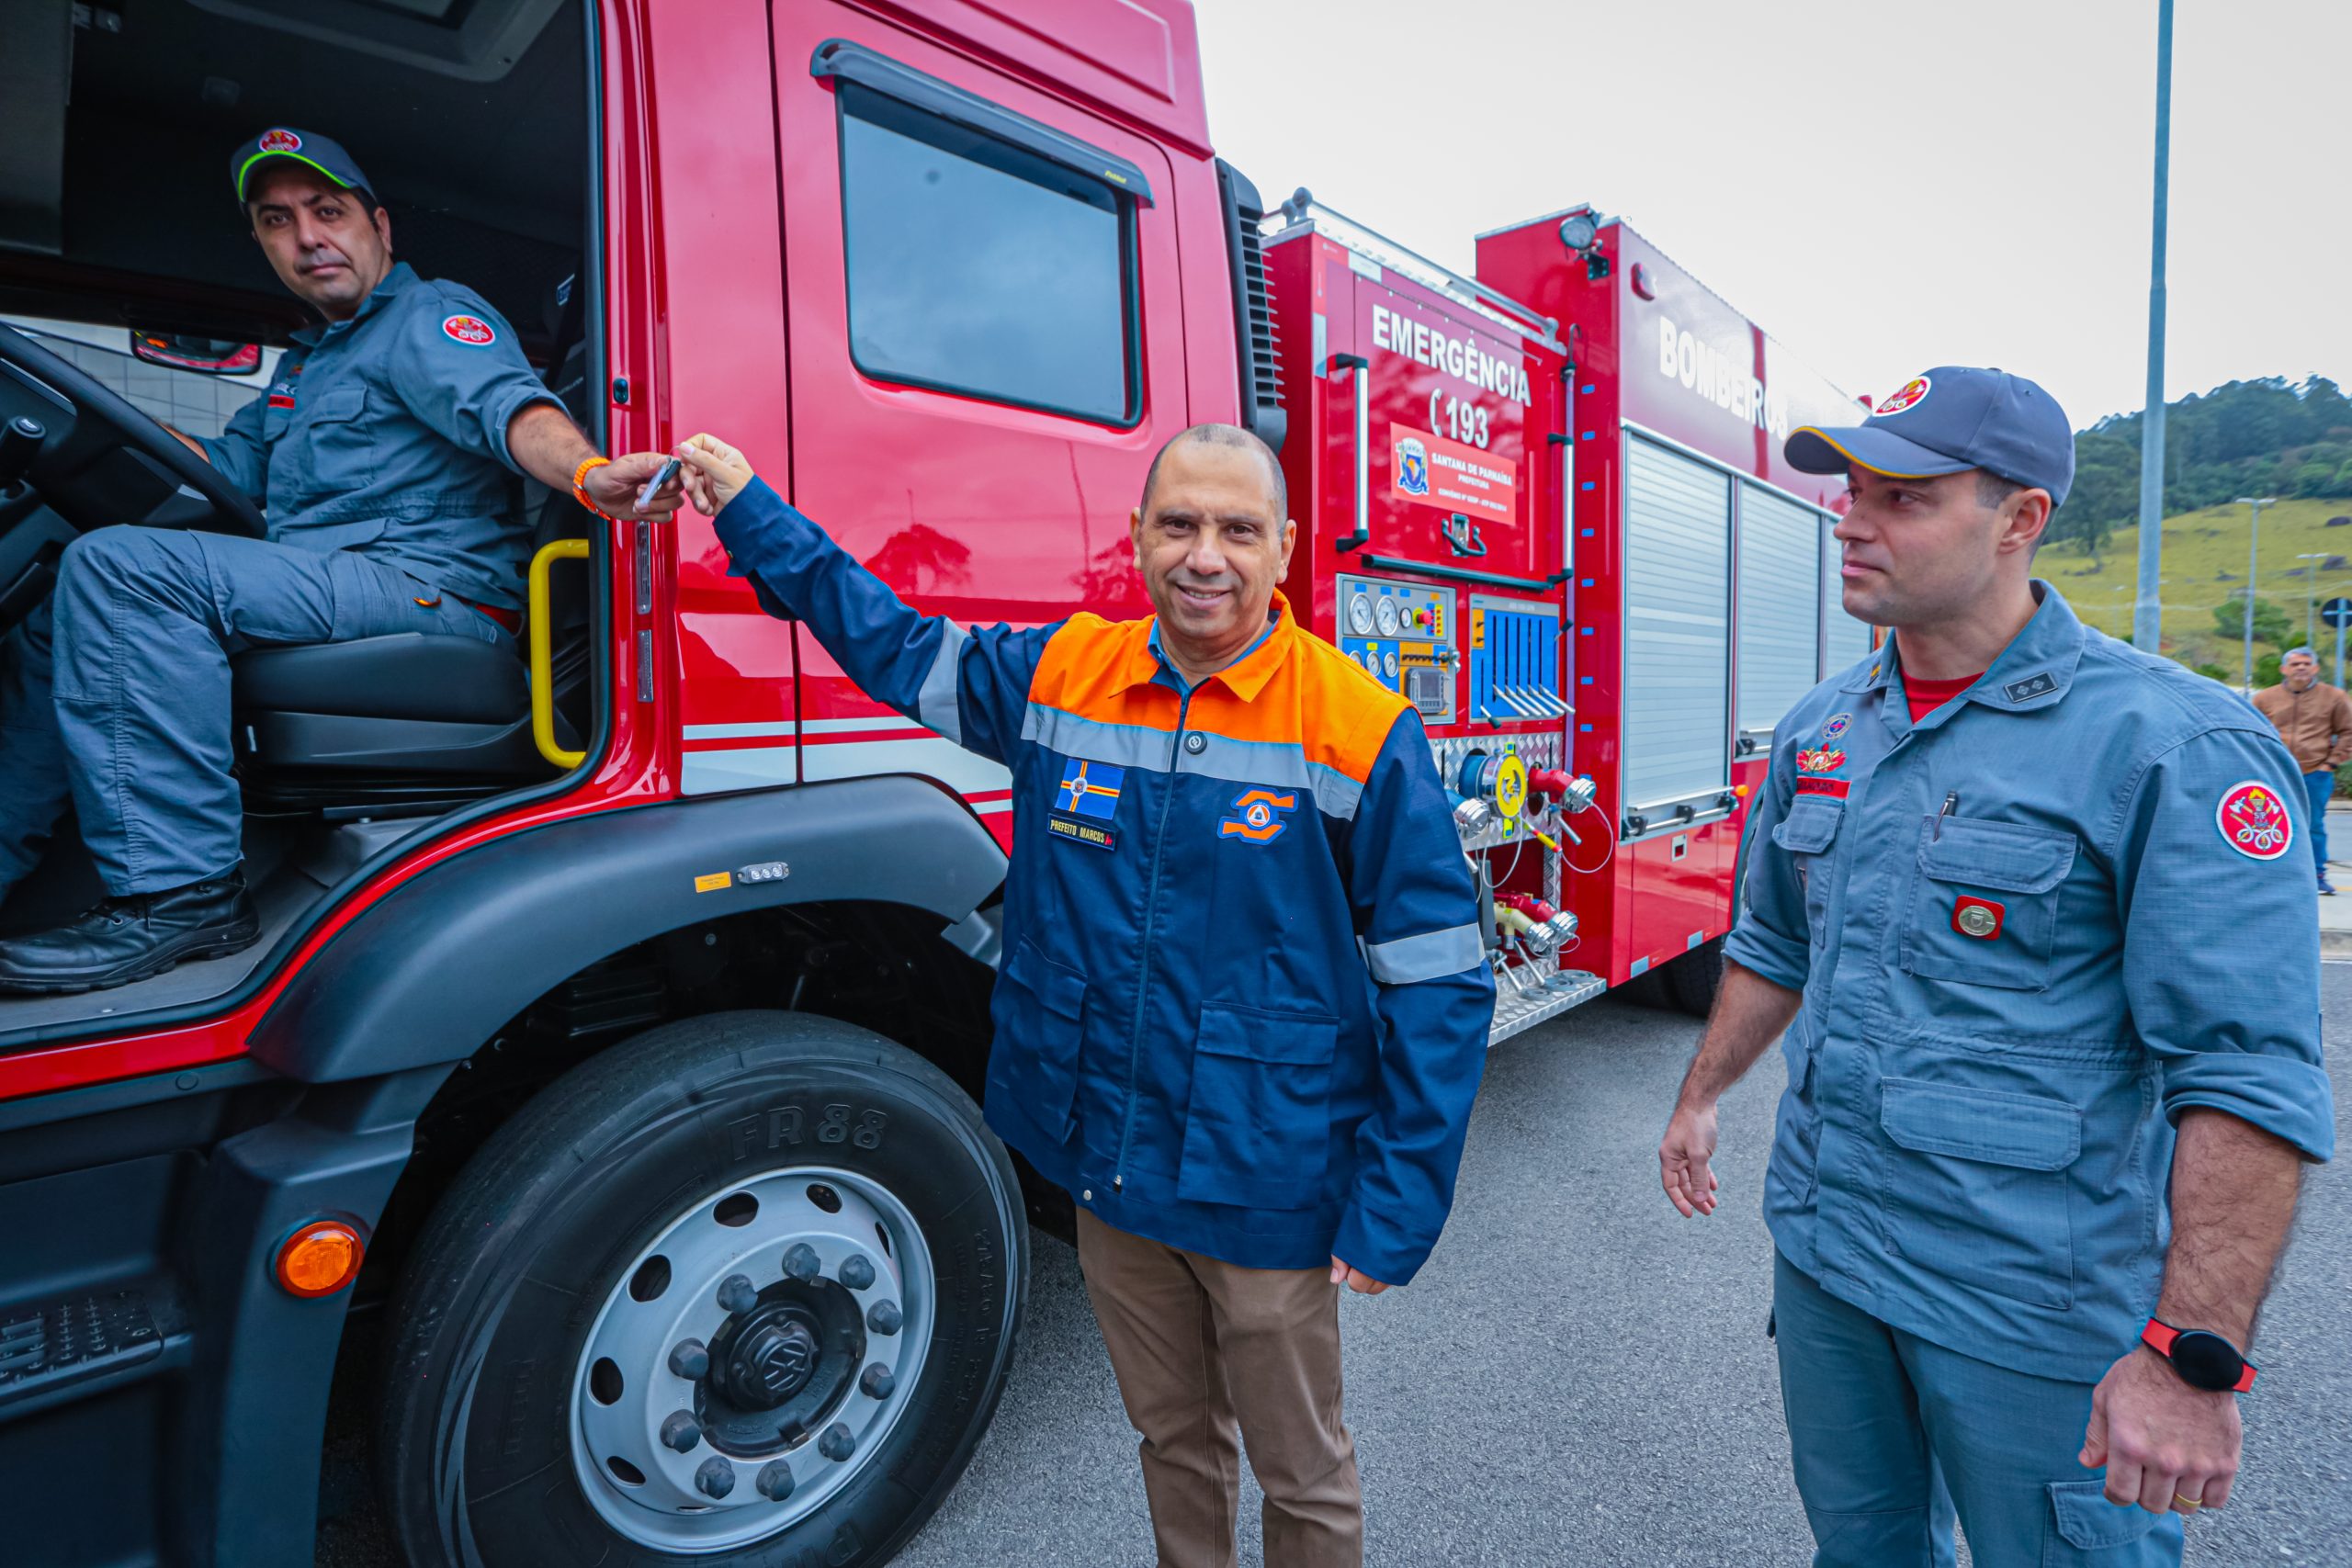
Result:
{"points": [[2203, 1360]]}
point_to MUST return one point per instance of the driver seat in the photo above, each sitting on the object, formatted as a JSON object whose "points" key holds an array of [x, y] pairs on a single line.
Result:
{"points": [[382, 726], [411, 724]]}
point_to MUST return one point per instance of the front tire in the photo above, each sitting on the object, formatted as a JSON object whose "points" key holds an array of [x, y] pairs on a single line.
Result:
{"points": [[819, 1210]]}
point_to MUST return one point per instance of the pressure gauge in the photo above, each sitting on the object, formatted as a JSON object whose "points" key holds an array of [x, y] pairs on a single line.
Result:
{"points": [[1360, 613], [1388, 662], [1386, 613]]}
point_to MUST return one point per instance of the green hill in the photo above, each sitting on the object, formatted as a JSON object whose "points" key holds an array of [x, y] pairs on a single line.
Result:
{"points": [[2205, 565]]}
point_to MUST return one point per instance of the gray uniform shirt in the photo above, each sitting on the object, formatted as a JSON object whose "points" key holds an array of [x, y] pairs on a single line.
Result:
{"points": [[386, 435], [2031, 929]]}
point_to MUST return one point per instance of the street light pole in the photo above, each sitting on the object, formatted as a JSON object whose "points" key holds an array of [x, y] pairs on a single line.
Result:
{"points": [[2253, 567], [2310, 588], [2147, 620]]}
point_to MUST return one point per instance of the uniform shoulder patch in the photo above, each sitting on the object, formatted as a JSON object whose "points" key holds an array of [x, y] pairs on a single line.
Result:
{"points": [[471, 331], [2253, 822]]}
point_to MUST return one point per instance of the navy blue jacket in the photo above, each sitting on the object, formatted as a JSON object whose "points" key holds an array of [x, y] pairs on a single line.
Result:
{"points": [[1244, 1004]]}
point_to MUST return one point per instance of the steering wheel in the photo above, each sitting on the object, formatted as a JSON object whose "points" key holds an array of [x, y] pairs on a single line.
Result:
{"points": [[93, 474]]}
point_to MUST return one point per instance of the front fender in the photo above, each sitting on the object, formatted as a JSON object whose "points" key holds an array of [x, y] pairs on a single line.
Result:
{"points": [[430, 971]]}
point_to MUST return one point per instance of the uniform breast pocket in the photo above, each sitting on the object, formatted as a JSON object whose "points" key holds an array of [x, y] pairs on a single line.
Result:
{"points": [[1258, 1127], [1807, 832], [1040, 1014], [1983, 905], [332, 447]]}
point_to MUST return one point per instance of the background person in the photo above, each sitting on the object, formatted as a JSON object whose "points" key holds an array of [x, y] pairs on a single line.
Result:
{"points": [[1212, 809], [1979, 902], [384, 453], [2315, 721]]}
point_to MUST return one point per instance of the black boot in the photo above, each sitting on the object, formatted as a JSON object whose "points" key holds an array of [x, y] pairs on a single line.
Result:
{"points": [[122, 940]]}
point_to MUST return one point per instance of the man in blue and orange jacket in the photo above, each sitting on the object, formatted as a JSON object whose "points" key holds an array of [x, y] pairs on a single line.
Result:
{"points": [[1244, 1005]]}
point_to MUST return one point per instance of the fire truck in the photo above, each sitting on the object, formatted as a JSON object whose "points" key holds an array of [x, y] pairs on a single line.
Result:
{"points": [[596, 1128]]}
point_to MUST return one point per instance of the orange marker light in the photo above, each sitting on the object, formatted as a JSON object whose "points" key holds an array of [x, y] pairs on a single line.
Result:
{"points": [[320, 1258]]}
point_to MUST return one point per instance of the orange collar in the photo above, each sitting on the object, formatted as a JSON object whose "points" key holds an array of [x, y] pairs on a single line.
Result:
{"points": [[1245, 678]]}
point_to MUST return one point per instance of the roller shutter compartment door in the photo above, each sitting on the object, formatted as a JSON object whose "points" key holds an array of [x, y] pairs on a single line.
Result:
{"points": [[1677, 626], [1779, 606], [1844, 639]]}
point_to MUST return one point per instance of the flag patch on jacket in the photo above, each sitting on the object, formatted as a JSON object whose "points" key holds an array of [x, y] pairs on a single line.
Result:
{"points": [[1090, 789]]}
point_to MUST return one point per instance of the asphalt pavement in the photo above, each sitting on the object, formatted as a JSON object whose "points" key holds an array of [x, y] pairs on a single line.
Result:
{"points": [[1580, 1377]]}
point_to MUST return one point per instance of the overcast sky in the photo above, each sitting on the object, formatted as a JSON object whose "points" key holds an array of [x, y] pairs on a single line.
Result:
{"points": [[1883, 186]]}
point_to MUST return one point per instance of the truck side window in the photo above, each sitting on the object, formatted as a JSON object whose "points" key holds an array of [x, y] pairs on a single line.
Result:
{"points": [[977, 267]]}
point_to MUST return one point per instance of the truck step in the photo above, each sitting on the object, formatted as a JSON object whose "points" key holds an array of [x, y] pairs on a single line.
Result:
{"points": [[47, 1347], [1516, 1011]]}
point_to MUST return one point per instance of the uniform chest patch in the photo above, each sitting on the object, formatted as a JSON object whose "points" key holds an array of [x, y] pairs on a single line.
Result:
{"points": [[2253, 822], [471, 331], [1978, 918], [1258, 816], [1820, 759], [1090, 789], [1836, 726]]}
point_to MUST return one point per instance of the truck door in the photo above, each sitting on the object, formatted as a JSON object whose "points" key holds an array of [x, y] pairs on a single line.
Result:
{"points": [[975, 270]]}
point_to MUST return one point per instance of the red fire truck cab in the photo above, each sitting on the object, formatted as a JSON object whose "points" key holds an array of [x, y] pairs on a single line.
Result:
{"points": [[594, 1132]]}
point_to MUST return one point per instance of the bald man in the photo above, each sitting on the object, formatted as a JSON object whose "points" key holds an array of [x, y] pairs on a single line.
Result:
{"points": [[1244, 1006]]}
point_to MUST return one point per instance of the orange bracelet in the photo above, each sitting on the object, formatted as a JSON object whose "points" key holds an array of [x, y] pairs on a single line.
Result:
{"points": [[580, 488]]}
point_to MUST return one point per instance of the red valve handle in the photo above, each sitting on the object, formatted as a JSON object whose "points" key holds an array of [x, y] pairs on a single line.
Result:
{"points": [[1527, 904], [1553, 782]]}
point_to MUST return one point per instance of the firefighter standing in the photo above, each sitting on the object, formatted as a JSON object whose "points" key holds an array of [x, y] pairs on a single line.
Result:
{"points": [[384, 452], [1212, 809], [2030, 908]]}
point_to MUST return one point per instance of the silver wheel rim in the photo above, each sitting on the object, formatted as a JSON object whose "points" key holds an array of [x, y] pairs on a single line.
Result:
{"points": [[715, 1489]]}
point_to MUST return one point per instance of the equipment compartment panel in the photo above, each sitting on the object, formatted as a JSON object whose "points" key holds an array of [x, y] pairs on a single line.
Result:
{"points": [[1404, 635], [1514, 658]]}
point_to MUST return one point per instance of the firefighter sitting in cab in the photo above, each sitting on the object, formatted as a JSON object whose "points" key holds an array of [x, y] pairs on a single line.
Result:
{"points": [[384, 453], [1213, 809]]}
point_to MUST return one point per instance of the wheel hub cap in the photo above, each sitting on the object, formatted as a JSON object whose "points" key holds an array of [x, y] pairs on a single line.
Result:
{"points": [[801, 1300], [771, 1361]]}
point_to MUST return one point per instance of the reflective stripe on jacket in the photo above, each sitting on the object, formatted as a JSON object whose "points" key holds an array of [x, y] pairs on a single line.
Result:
{"points": [[2031, 930], [1244, 1003]]}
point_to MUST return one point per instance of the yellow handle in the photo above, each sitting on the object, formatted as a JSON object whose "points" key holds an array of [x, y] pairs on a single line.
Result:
{"points": [[543, 652]]}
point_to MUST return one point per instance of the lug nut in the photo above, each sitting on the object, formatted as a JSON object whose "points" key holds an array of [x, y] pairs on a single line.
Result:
{"points": [[775, 1481], [857, 1273], [837, 1444], [884, 1317], [716, 1477], [680, 1431], [690, 1360], [800, 1261], [878, 1382], [735, 1294]]}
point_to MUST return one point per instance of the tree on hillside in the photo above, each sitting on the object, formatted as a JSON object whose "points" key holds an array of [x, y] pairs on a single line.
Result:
{"points": [[2262, 437], [2271, 623]]}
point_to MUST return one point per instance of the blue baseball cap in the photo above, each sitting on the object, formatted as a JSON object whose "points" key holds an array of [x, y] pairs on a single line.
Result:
{"points": [[298, 146], [1947, 421]]}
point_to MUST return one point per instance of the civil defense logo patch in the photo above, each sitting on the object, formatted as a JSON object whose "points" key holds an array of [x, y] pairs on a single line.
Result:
{"points": [[2253, 822], [472, 331], [1258, 816], [281, 140]]}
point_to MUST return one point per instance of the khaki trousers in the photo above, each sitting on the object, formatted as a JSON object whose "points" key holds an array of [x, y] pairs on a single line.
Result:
{"points": [[1203, 1348]]}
